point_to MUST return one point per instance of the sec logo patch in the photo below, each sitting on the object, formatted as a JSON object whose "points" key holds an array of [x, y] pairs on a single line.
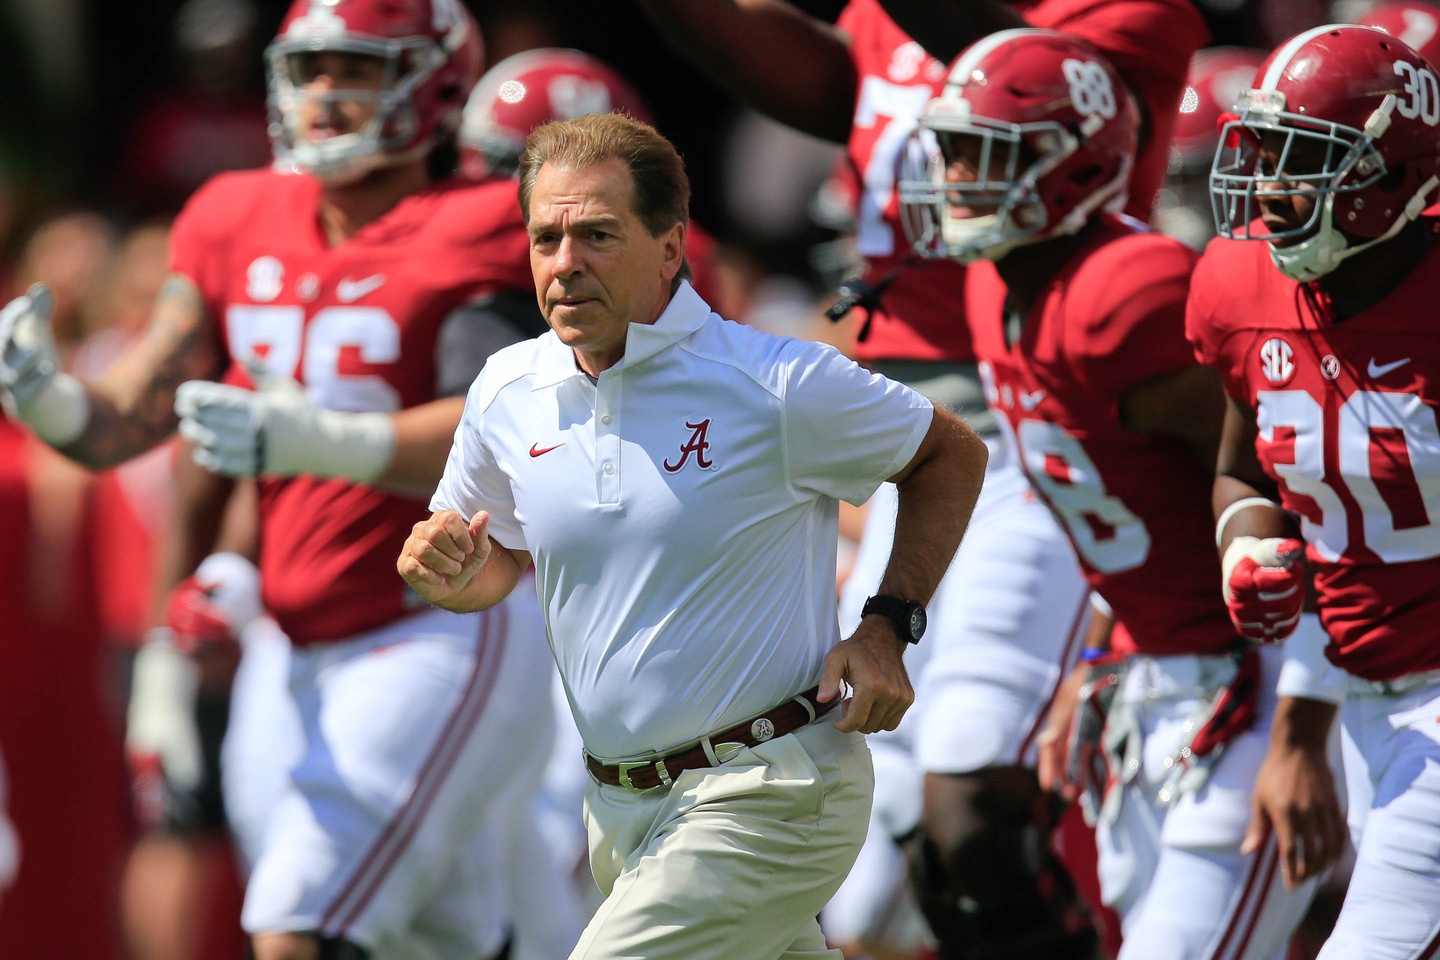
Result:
{"points": [[1277, 361]]}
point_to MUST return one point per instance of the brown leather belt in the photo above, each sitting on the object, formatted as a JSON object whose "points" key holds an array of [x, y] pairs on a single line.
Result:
{"points": [[779, 720]]}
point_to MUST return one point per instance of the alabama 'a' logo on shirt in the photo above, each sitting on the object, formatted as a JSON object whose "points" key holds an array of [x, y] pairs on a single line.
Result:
{"points": [[698, 444]]}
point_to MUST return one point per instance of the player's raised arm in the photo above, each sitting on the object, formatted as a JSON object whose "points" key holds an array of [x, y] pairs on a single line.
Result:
{"points": [[129, 409], [775, 58], [944, 29]]}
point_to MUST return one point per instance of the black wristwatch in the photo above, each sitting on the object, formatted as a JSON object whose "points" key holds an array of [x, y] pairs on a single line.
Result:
{"points": [[907, 615]]}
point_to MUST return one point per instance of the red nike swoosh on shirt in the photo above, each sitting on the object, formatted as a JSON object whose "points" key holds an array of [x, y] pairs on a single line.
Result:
{"points": [[537, 450]]}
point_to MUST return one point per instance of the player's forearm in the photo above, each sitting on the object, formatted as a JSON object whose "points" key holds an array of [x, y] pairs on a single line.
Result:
{"points": [[936, 498], [423, 436], [132, 407], [1241, 510], [1302, 723], [199, 507], [772, 56], [115, 432]]}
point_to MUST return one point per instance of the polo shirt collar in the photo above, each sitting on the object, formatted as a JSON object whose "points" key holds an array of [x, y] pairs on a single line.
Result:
{"points": [[685, 314]]}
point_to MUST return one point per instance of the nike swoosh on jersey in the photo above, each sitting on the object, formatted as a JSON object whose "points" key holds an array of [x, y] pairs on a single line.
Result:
{"points": [[538, 451], [1031, 400], [1379, 370], [348, 291]]}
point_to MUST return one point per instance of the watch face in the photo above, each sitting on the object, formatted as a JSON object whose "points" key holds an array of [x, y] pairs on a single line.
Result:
{"points": [[917, 622]]}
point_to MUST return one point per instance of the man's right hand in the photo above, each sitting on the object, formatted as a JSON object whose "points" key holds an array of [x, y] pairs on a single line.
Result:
{"points": [[28, 358], [444, 554], [213, 606], [1264, 586]]}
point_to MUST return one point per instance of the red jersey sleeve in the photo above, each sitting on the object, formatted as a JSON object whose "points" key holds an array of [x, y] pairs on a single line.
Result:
{"points": [[1130, 304]]}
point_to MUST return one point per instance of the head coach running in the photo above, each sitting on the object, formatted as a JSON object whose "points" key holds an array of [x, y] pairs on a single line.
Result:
{"points": [[674, 477]]}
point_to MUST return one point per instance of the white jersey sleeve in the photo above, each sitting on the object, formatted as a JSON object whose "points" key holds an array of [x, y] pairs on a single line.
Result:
{"points": [[473, 479], [846, 429]]}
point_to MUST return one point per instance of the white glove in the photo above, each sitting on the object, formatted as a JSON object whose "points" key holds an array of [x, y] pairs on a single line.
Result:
{"points": [[28, 358], [160, 725], [275, 430], [53, 403]]}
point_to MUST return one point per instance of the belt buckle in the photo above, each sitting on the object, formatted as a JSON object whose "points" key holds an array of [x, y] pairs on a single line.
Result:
{"points": [[622, 771]]}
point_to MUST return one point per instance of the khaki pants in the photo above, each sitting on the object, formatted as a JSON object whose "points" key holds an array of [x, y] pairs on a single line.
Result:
{"points": [[732, 862]]}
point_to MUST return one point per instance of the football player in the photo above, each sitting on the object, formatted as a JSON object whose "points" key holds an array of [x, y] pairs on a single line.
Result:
{"points": [[1001, 643], [348, 298], [1315, 305], [1077, 315]]}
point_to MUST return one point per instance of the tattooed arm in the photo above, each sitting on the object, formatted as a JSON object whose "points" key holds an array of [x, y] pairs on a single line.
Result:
{"points": [[132, 405]]}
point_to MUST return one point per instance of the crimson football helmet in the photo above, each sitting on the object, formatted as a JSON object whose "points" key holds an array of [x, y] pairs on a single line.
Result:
{"points": [[1048, 131], [1216, 79], [1343, 114], [1414, 23], [1218, 76], [531, 88], [432, 54]]}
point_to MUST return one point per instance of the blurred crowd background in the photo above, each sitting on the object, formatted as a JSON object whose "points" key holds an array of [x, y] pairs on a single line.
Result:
{"points": [[110, 115]]}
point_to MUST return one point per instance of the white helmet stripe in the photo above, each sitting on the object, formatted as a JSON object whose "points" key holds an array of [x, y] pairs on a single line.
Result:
{"points": [[981, 48], [1285, 54]]}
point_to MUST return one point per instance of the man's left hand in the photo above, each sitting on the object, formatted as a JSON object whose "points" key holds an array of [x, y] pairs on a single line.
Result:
{"points": [[872, 662], [1295, 796]]}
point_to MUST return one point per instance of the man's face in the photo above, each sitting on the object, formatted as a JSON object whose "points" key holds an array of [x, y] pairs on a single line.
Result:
{"points": [[1285, 204], [596, 267], [971, 159], [328, 72]]}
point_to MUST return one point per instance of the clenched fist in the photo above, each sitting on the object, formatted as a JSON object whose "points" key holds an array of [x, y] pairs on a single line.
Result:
{"points": [[443, 555], [1264, 586]]}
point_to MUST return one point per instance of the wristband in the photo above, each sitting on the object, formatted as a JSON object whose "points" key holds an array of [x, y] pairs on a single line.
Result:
{"points": [[351, 446], [1229, 512]]}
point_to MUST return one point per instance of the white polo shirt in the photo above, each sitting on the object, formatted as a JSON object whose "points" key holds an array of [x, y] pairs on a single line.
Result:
{"points": [[681, 511]]}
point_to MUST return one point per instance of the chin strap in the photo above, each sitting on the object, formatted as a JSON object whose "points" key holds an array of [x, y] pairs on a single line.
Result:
{"points": [[1325, 251]]}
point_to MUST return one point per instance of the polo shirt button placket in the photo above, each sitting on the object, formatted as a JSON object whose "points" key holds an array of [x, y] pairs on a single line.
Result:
{"points": [[607, 441]]}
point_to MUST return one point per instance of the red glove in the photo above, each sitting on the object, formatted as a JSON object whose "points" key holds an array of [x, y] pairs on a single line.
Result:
{"points": [[215, 604], [1264, 586]]}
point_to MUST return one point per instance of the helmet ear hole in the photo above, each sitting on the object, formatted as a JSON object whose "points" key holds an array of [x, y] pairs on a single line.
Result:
{"points": [[1393, 180]]}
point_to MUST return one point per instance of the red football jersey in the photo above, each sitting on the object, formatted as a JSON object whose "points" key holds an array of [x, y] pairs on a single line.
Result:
{"points": [[357, 324], [1348, 429], [921, 316], [1136, 506]]}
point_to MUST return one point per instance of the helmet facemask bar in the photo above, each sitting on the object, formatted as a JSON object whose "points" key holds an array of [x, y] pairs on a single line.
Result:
{"points": [[1238, 179], [384, 138], [1003, 206]]}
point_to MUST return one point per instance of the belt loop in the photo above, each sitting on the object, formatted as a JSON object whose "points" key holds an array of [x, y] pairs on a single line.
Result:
{"points": [[709, 749], [804, 701]]}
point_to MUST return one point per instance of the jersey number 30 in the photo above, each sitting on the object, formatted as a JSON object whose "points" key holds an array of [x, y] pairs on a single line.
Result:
{"points": [[1378, 456]]}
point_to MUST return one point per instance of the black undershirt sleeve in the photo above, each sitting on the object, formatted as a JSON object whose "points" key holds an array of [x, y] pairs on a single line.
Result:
{"points": [[473, 332]]}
